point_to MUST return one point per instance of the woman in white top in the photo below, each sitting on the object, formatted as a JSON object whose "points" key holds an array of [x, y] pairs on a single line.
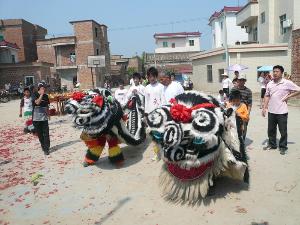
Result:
{"points": [[226, 83]]}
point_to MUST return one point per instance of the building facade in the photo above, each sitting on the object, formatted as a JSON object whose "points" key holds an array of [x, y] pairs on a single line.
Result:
{"points": [[177, 42], [24, 34], [270, 21], [269, 25], [69, 54], [224, 27]]}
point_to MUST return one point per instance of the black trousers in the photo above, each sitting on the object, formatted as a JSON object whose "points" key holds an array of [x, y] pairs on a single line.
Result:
{"points": [[42, 130], [281, 121], [226, 91]]}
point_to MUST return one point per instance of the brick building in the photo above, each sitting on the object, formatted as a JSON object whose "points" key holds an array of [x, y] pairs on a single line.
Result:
{"points": [[24, 34], [119, 68], [296, 56], [18, 54], [69, 54]]}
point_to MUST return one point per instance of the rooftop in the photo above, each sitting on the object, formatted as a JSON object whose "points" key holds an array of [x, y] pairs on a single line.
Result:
{"points": [[216, 14], [179, 34], [82, 21]]}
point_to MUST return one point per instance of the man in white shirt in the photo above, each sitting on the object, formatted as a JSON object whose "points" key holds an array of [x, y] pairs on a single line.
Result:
{"points": [[121, 95], [154, 91], [172, 88], [226, 83], [136, 88]]}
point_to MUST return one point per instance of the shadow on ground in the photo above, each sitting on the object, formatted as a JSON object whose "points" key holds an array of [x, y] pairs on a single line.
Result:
{"points": [[65, 144], [222, 187], [132, 155]]}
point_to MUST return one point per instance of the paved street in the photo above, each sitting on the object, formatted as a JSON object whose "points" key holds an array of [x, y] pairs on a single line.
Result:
{"points": [[67, 193]]}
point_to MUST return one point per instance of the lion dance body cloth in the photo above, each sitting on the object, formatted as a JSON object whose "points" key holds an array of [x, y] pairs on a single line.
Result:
{"points": [[103, 120], [197, 141]]}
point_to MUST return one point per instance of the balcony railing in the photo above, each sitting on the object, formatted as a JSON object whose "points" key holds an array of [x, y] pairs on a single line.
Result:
{"points": [[247, 13]]}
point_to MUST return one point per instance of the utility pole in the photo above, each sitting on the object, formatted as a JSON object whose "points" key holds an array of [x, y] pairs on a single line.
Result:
{"points": [[225, 40]]}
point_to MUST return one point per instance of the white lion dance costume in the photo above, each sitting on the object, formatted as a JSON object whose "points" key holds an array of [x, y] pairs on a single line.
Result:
{"points": [[197, 142], [103, 120]]}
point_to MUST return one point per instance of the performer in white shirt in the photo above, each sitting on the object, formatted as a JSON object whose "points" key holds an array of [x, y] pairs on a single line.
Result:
{"points": [[154, 92], [121, 95], [172, 88], [137, 87], [226, 83]]}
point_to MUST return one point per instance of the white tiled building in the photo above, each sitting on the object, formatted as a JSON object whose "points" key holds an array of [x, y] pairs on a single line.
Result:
{"points": [[224, 23], [269, 24], [177, 42]]}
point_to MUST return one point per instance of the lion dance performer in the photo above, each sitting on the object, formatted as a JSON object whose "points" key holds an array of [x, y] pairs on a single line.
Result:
{"points": [[197, 141], [103, 120]]}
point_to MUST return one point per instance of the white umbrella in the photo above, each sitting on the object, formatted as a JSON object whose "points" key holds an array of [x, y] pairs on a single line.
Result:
{"points": [[237, 67]]}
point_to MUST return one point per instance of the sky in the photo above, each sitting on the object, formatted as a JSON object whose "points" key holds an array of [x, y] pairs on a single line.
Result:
{"points": [[131, 23]]}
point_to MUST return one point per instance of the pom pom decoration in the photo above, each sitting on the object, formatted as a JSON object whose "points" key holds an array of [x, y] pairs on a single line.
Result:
{"points": [[98, 100], [78, 96]]}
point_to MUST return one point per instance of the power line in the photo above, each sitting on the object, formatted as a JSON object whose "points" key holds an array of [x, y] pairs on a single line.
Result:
{"points": [[159, 24]]}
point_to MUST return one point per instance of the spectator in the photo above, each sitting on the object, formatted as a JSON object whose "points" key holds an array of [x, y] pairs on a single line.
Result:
{"points": [[226, 83], [137, 88], [7, 87], [121, 95], [278, 92], [40, 102], [173, 76], [241, 111], [20, 90], [246, 95], [26, 104], [222, 97], [154, 91], [171, 89], [262, 81]]}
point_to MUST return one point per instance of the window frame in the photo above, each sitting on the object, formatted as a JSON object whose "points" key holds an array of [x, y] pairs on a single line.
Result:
{"points": [[282, 18], [173, 45], [263, 17], [192, 41], [165, 44], [209, 73], [28, 76]]}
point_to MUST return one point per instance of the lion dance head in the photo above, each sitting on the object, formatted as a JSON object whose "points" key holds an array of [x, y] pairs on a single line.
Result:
{"points": [[195, 142]]}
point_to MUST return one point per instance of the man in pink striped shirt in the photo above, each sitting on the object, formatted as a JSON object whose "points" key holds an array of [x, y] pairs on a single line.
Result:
{"points": [[278, 92]]}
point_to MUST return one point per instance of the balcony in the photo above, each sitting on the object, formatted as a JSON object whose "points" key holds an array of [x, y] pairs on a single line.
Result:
{"points": [[248, 13]]}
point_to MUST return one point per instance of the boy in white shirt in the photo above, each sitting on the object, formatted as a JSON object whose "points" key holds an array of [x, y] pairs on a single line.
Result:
{"points": [[154, 92], [137, 87], [172, 88], [121, 95]]}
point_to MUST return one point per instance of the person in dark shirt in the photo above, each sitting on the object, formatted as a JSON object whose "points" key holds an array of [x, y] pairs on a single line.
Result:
{"points": [[40, 117]]}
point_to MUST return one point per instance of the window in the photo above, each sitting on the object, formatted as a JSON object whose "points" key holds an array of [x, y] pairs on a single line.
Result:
{"points": [[221, 71], [96, 31], [13, 59], [165, 44], [263, 17], [97, 51], [282, 19], [255, 34], [221, 25], [209, 74], [191, 42], [29, 80], [173, 45]]}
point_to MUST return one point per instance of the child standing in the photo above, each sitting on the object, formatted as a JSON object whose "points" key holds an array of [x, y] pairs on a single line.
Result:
{"points": [[26, 103], [154, 91], [222, 98], [241, 110]]}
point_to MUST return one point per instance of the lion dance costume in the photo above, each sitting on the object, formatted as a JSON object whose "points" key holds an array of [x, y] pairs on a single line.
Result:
{"points": [[103, 120], [197, 141]]}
